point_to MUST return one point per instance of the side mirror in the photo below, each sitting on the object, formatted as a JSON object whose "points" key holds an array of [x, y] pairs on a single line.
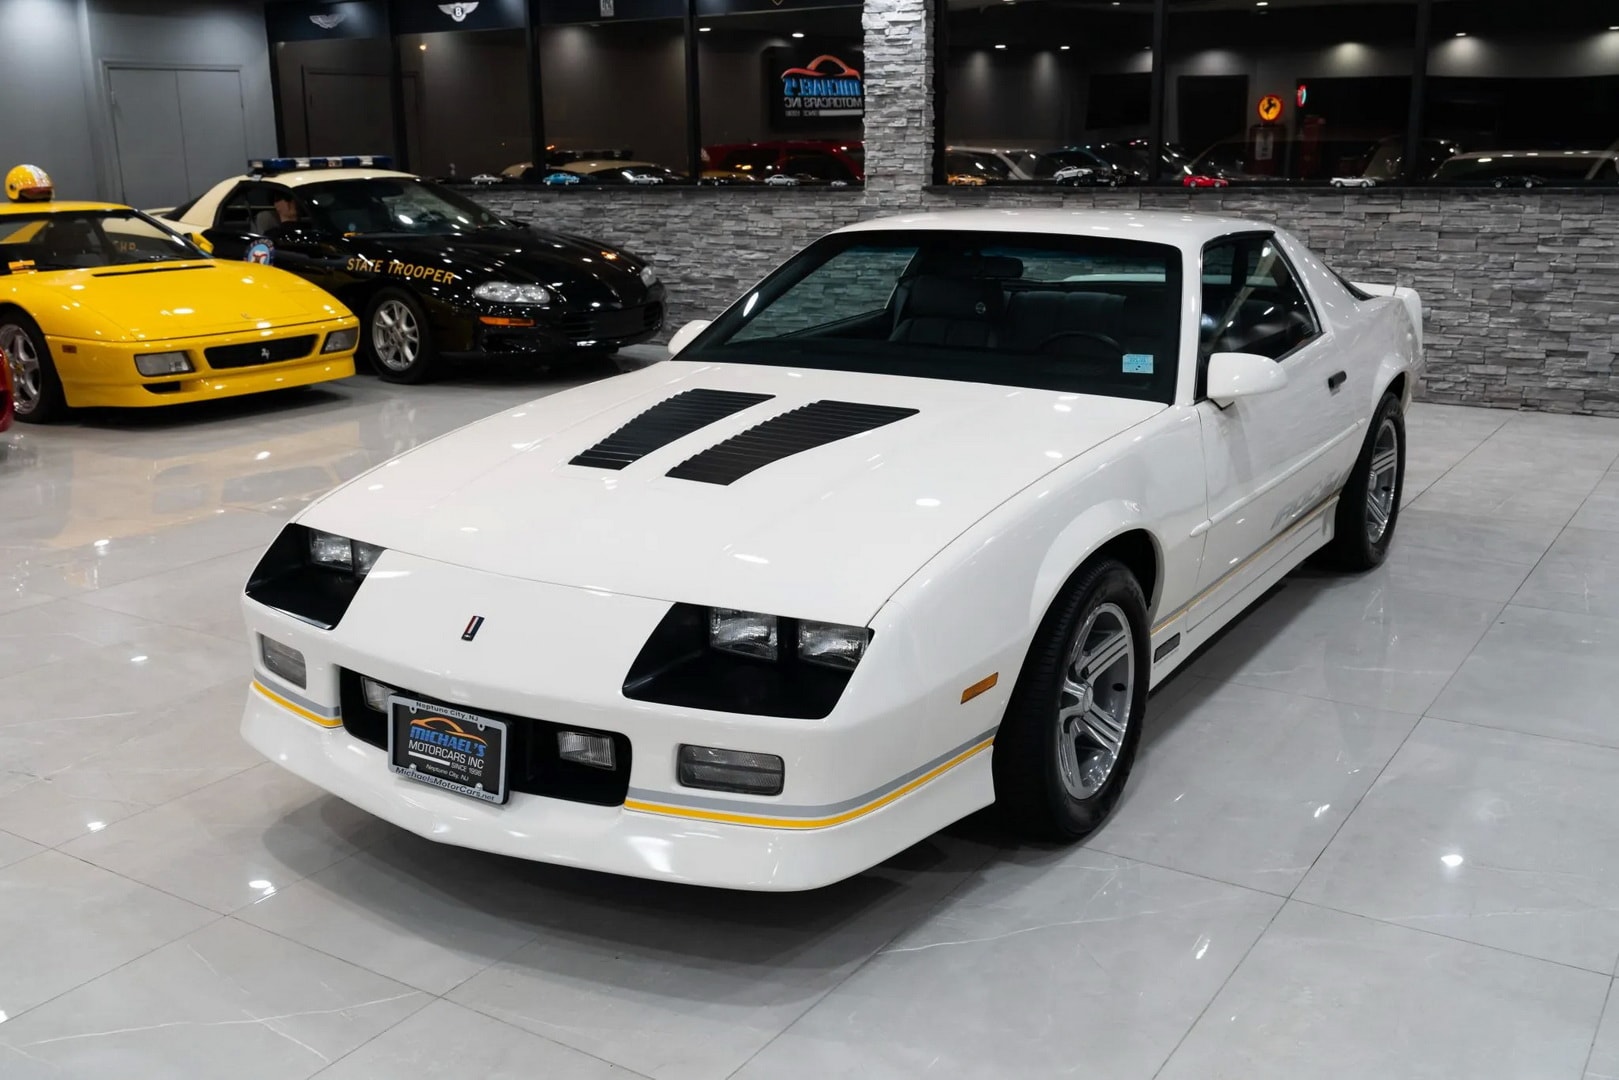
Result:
{"points": [[201, 241], [1234, 375], [684, 335]]}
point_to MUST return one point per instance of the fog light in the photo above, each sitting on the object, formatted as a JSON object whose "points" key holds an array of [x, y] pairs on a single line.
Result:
{"points": [[341, 340], [376, 694], [163, 363], [593, 750], [286, 662], [729, 770]]}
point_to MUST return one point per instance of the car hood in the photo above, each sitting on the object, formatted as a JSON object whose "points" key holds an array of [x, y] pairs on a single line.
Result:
{"points": [[578, 269], [824, 533], [163, 301]]}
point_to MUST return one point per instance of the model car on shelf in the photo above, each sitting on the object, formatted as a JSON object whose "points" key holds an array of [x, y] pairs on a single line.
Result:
{"points": [[995, 164], [1200, 180], [1095, 170], [1354, 181], [809, 161], [622, 172], [101, 304], [432, 274], [910, 529]]}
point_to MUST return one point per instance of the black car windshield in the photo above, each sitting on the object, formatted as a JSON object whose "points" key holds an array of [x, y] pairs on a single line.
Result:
{"points": [[393, 206], [1084, 314], [87, 240]]}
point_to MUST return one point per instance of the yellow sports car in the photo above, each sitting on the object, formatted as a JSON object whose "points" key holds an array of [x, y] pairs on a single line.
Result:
{"points": [[102, 305]]}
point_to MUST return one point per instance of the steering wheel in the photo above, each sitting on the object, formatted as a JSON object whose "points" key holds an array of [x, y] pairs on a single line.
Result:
{"points": [[1089, 335]]}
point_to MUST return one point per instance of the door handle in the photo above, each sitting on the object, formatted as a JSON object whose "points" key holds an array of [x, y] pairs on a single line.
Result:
{"points": [[1335, 380]]}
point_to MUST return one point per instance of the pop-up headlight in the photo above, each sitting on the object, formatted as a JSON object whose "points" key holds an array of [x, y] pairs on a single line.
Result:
{"points": [[311, 574], [746, 662]]}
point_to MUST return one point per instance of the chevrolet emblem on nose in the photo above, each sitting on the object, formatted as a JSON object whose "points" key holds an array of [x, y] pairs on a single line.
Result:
{"points": [[472, 629]]}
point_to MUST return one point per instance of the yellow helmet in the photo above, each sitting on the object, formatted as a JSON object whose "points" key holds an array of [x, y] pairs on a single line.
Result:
{"points": [[29, 183]]}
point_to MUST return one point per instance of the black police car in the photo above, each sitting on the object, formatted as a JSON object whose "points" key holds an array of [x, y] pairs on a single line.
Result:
{"points": [[430, 273]]}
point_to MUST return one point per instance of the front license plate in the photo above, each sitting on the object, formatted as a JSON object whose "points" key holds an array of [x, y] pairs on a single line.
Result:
{"points": [[454, 750]]}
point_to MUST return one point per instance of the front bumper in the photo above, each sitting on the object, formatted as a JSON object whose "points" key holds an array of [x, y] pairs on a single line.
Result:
{"points": [[898, 759], [504, 329], [96, 373]]}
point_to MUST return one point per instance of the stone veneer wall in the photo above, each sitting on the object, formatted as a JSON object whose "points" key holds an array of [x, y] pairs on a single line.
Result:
{"points": [[1520, 288]]}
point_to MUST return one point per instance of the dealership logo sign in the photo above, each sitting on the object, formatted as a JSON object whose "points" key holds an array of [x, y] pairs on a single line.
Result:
{"points": [[330, 20], [458, 12], [826, 86]]}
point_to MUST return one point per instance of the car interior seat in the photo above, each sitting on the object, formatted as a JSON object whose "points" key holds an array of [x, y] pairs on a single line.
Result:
{"points": [[956, 311]]}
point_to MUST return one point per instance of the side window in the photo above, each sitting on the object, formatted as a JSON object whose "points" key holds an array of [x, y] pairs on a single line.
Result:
{"points": [[855, 282], [1251, 300], [250, 208]]}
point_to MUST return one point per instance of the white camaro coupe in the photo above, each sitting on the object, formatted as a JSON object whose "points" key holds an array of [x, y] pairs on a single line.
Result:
{"points": [[910, 529]]}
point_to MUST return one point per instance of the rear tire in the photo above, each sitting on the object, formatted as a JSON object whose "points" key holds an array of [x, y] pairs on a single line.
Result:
{"points": [[396, 339], [1369, 508], [38, 396], [1068, 740]]}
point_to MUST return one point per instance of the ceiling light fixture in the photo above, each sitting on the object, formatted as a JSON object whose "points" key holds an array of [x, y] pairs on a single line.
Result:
{"points": [[1461, 33], [1000, 46], [1065, 48], [704, 29], [798, 33]]}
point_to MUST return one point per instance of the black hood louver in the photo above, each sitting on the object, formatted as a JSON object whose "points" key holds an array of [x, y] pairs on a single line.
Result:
{"points": [[804, 428], [668, 420]]}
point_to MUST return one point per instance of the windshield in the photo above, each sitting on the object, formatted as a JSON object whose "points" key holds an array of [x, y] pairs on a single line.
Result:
{"points": [[1074, 313], [393, 206], [87, 239]]}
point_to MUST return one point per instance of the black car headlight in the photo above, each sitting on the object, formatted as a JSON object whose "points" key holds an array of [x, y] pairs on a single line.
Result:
{"points": [[510, 292], [746, 662], [312, 575]]}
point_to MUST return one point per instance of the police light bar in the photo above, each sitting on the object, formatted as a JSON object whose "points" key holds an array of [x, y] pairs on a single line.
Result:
{"points": [[265, 166]]}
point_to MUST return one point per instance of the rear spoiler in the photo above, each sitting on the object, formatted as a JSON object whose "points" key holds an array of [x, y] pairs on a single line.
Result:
{"points": [[1409, 297]]}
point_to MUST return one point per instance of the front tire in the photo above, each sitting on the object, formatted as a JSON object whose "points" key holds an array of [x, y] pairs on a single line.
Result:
{"points": [[1369, 508], [38, 397], [398, 342], [1068, 740]]}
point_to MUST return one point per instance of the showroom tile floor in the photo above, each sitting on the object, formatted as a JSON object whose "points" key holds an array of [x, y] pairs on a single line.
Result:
{"points": [[1374, 830]]}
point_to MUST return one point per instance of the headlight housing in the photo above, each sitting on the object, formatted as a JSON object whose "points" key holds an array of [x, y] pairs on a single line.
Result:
{"points": [[510, 292], [312, 575], [746, 662], [163, 363], [649, 276], [341, 340]]}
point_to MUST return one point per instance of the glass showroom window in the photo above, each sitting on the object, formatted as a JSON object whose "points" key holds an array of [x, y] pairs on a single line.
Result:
{"points": [[1048, 90], [613, 76], [1286, 90], [334, 71], [782, 92], [466, 91], [1524, 100]]}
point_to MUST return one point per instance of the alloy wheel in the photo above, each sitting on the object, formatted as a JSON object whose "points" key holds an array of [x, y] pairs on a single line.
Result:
{"points": [[1385, 469], [396, 337], [26, 374], [1093, 707]]}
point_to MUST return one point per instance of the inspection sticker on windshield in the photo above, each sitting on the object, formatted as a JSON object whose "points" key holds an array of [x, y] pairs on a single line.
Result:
{"points": [[1137, 363]]}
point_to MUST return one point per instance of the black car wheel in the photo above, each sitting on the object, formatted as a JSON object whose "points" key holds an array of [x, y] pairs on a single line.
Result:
{"points": [[1069, 736], [38, 391], [1369, 507], [398, 342]]}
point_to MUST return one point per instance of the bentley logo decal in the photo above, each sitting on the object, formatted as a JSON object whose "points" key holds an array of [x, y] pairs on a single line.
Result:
{"points": [[329, 20], [472, 629], [458, 11]]}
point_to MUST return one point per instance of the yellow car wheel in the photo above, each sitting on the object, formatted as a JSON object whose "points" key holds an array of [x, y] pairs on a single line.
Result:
{"points": [[37, 389]]}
